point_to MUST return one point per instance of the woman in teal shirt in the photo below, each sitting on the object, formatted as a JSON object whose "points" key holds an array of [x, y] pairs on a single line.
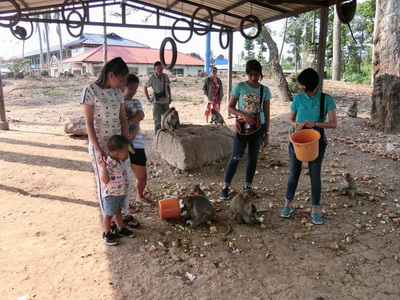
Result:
{"points": [[305, 113]]}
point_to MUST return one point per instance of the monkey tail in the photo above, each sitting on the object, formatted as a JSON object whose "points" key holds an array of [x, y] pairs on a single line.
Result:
{"points": [[226, 224]]}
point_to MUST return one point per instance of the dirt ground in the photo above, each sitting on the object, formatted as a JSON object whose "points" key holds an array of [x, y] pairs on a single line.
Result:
{"points": [[51, 246]]}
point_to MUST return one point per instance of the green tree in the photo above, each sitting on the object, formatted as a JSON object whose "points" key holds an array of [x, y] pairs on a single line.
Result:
{"points": [[193, 54], [249, 47]]}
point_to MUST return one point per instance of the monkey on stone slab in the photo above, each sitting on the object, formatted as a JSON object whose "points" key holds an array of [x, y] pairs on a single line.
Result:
{"points": [[196, 190], [350, 187], [243, 210], [170, 120], [216, 117], [200, 210], [352, 110]]}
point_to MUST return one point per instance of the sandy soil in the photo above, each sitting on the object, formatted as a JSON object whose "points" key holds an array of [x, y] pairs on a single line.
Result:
{"points": [[51, 246]]}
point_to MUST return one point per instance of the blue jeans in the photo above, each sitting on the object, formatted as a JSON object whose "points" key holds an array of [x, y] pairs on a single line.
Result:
{"points": [[239, 146], [314, 168]]}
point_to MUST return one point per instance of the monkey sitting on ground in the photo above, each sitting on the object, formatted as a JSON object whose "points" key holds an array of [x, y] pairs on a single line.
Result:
{"points": [[200, 211], [170, 120], [350, 187], [216, 117], [352, 110], [196, 190], [243, 210]]}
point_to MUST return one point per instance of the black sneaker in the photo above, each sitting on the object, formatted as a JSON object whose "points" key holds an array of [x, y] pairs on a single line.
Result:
{"points": [[125, 232], [224, 193], [109, 238], [254, 195]]}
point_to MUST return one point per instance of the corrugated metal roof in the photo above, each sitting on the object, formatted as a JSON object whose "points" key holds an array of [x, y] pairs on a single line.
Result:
{"points": [[133, 55], [112, 39]]}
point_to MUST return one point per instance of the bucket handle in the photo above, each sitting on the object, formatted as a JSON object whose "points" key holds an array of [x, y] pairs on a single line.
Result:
{"points": [[292, 129]]}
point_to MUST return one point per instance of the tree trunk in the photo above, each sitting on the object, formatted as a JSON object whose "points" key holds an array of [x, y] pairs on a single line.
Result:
{"points": [[276, 69], [385, 110], [337, 45], [40, 46], [46, 37]]}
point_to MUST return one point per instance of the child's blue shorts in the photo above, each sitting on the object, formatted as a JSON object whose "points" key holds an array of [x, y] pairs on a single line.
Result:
{"points": [[111, 204]]}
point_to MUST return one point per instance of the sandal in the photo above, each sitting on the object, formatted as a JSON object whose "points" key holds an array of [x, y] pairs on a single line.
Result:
{"points": [[132, 222], [145, 201], [133, 208]]}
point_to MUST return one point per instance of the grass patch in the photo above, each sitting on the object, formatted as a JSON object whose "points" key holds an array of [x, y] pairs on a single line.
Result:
{"points": [[49, 91]]}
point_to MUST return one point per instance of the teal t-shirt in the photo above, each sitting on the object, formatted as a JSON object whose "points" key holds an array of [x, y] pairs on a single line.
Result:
{"points": [[249, 98], [308, 108]]}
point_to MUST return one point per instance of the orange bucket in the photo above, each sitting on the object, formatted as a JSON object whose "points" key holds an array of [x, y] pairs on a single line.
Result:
{"points": [[169, 208], [305, 144]]}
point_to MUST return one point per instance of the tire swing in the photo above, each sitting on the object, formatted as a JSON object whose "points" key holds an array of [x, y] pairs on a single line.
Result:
{"points": [[13, 20], [173, 31], [346, 9], [20, 32], [226, 30], [210, 16], [71, 24], [174, 53], [252, 19]]}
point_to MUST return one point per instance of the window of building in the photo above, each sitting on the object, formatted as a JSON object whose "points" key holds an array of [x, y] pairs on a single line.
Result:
{"points": [[133, 70], [177, 71], [96, 71]]}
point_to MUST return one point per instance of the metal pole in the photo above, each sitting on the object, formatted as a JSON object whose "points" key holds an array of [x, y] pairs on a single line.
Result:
{"points": [[322, 44], [230, 71], [3, 120], [208, 54]]}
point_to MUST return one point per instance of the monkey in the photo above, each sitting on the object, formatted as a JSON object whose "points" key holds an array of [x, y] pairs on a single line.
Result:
{"points": [[350, 187], [170, 120], [19, 32], [243, 210], [216, 117], [200, 211], [196, 190], [352, 110]]}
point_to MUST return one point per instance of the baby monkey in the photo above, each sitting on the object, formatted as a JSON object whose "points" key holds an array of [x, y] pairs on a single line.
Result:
{"points": [[350, 187], [243, 210]]}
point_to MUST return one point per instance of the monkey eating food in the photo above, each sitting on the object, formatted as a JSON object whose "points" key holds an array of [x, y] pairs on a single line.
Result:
{"points": [[352, 110], [243, 210], [196, 190], [170, 120], [200, 211], [350, 187], [216, 117]]}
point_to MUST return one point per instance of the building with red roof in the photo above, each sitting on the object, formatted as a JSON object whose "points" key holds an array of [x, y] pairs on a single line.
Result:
{"points": [[139, 60]]}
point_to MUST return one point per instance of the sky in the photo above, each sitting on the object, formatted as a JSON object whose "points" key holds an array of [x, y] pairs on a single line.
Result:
{"points": [[12, 47]]}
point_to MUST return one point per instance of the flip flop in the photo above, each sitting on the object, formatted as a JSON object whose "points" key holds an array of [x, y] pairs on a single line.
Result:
{"points": [[145, 201], [132, 222], [133, 208]]}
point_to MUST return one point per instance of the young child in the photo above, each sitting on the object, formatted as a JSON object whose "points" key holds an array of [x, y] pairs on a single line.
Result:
{"points": [[114, 181]]}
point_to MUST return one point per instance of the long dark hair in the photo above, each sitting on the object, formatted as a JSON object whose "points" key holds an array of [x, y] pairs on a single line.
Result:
{"points": [[117, 66], [254, 65]]}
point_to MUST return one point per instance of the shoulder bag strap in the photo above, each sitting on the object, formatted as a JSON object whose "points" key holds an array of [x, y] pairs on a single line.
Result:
{"points": [[322, 108], [261, 96]]}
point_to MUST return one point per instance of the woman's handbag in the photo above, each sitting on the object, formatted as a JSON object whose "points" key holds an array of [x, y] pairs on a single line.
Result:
{"points": [[244, 128]]}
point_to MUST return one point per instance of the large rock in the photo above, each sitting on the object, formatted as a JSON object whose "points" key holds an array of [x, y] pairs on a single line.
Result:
{"points": [[76, 126], [193, 146]]}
